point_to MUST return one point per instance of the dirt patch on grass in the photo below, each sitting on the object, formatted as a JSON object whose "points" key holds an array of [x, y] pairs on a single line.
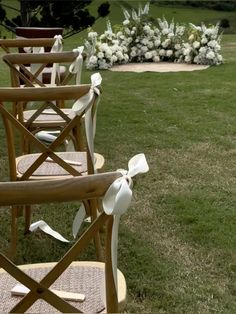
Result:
{"points": [[158, 67]]}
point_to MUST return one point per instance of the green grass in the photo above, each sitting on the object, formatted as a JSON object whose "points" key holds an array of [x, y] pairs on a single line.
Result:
{"points": [[178, 239]]}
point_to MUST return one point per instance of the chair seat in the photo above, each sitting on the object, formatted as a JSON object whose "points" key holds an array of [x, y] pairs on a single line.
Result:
{"points": [[49, 118], [80, 277], [50, 169]]}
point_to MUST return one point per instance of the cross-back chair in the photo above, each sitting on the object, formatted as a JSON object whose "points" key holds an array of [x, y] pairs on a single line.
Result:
{"points": [[26, 44], [35, 45], [47, 120], [38, 32], [48, 161], [91, 287]]}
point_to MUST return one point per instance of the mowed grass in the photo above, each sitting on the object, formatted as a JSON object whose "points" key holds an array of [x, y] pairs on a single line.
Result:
{"points": [[178, 239]]}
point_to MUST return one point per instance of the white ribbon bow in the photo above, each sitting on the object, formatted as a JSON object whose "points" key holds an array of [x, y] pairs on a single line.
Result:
{"points": [[58, 44], [116, 202], [91, 113], [76, 66], [118, 197]]}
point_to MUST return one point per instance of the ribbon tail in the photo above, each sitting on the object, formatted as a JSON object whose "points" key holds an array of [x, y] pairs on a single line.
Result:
{"points": [[137, 164], [78, 220], [42, 225]]}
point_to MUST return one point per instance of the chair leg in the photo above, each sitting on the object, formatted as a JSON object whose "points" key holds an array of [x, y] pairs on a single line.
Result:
{"points": [[27, 218], [77, 133], [97, 239], [14, 233]]}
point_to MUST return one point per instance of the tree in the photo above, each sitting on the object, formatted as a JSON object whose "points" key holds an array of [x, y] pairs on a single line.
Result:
{"points": [[73, 15]]}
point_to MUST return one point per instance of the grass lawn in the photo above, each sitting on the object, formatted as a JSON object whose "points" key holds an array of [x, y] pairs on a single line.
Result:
{"points": [[178, 239]]}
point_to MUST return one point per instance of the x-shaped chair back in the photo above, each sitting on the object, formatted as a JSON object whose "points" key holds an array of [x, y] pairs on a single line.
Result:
{"points": [[32, 76], [85, 100], [64, 190], [26, 44]]}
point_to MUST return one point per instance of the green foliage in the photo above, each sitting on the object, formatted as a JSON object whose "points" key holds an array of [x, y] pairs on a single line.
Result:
{"points": [[74, 17], [213, 5], [224, 23]]}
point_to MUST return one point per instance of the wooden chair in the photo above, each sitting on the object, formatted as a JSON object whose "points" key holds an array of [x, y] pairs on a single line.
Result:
{"points": [[38, 32], [48, 162], [100, 287], [33, 76], [35, 45], [12, 45]]}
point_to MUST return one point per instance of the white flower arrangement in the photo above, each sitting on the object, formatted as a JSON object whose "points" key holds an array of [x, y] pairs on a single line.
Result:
{"points": [[139, 40]]}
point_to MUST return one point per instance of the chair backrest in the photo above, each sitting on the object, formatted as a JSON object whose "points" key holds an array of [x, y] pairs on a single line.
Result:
{"points": [[24, 44], [74, 189], [38, 32], [85, 100], [34, 75]]}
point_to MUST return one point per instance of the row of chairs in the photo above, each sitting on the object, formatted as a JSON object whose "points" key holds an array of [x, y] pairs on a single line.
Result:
{"points": [[55, 120]]}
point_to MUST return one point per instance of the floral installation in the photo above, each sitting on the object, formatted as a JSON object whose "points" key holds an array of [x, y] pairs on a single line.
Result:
{"points": [[140, 39]]}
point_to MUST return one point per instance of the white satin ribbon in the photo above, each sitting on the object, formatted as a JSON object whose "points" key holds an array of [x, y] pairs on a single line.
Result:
{"points": [[118, 197], [57, 47], [42, 225], [76, 66], [116, 202], [90, 127], [58, 44], [90, 115]]}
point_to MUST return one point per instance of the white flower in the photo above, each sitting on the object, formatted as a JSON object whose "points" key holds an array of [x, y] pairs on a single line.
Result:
{"points": [[133, 54], [156, 59], [212, 43], [203, 50], [220, 58], [204, 40], [93, 59], [125, 22], [148, 55], [169, 53], [177, 46], [162, 52], [100, 55], [210, 55], [166, 43], [151, 33], [108, 53], [196, 44], [165, 31], [157, 42], [150, 45], [144, 49], [114, 59], [127, 31], [186, 51], [191, 38], [119, 55], [171, 35], [92, 35], [154, 53], [187, 59], [147, 29], [126, 57], [196, 59], [209, 31], [144, 41]]}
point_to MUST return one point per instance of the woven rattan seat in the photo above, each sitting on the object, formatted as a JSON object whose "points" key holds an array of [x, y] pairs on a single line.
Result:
{"points": [[50, 168]]}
